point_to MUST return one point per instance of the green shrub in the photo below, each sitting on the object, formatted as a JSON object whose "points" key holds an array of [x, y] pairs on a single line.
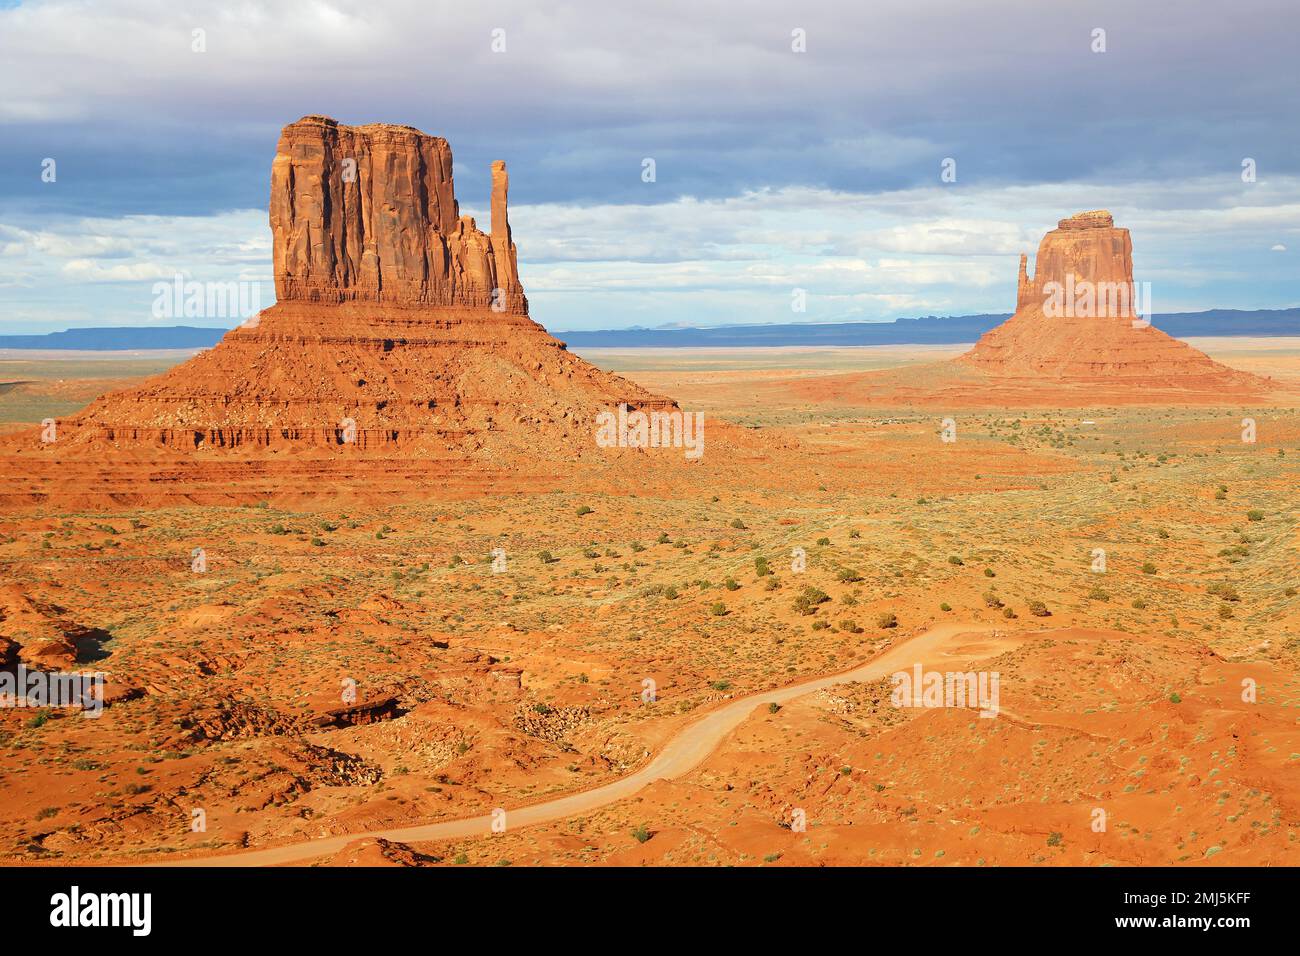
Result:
{"points": [[1225, 591], [806, 603]]}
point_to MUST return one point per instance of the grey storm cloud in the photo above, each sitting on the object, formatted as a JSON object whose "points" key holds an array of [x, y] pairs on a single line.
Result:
{"points": [[774, 168], [1013, 91]]}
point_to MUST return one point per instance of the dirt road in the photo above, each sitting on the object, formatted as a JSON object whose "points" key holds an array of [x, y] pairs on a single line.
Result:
{"points": [[681, 753]]}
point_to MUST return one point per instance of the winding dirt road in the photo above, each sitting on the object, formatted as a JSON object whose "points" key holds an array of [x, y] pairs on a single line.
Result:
{"points": [[680, 754]]}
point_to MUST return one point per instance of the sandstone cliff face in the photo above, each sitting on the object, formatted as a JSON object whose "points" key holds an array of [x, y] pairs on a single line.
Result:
{"points": [[387, 333], [1083, 248], [1077, 319], [369, 213]]}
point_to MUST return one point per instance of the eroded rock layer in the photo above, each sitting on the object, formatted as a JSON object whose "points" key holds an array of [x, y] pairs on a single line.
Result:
{"points": [[399, 324], [1078, 319], [369, 375], [369, 213]]}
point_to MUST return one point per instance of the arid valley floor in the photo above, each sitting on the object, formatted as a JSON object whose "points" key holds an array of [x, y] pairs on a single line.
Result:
{"points": [[479, 689]]}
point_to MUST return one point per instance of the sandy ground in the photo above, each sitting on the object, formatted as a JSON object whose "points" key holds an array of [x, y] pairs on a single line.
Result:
{"points": [[679, 754], [1124, 690]]}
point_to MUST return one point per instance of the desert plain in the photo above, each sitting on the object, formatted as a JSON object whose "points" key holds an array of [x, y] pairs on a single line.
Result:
{"points": [[356, 663]]}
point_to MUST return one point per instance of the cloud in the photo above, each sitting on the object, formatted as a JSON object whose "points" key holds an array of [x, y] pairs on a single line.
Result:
{"points": [[774, 168], [583, 93], [88, 270], [734, 259]]}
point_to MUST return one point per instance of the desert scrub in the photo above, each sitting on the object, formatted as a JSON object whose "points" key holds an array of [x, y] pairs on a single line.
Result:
{"points": [[583, 510], [761, 567], [1039, 609], [806, 603], [887, 619], [546, 557], [718, 609], [1225, 591], [992, 600]]}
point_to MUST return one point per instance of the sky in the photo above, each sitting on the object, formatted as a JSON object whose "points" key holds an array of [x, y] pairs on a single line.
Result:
{"points": [[776, 168]]}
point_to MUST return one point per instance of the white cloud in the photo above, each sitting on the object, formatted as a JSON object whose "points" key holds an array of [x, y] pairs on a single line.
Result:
{"points": [[88, 270], [859, 255]]}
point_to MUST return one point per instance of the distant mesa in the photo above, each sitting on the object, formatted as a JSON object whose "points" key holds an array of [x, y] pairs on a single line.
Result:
{"points": [[399, 322], [1078, 320]]}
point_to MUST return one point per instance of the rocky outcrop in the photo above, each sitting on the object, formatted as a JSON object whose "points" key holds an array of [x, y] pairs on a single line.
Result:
{"points": [[369, 213], [399, 325], [39, 635], [1079, 318]]}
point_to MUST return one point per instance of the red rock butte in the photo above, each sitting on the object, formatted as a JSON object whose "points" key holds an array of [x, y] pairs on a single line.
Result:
{"points": [[398, 322], [1077, 321]]}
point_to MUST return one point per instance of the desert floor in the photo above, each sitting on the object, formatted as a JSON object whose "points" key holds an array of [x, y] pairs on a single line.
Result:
{"points": [[1148, 712]]}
